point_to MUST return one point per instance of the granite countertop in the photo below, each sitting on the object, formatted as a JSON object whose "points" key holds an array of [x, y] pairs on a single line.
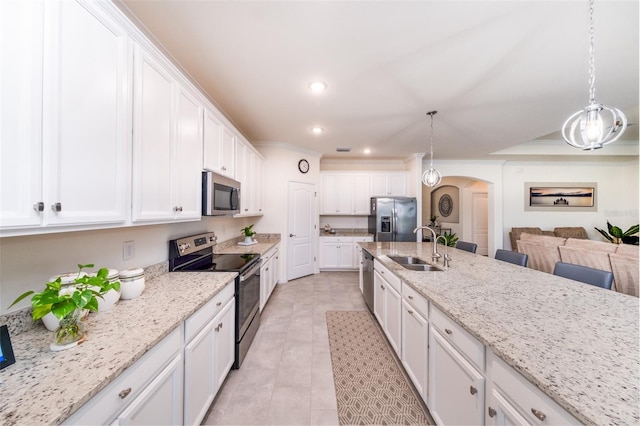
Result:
{"points": [[346, 232], [578, 343], [45, 387], [265, 243]]}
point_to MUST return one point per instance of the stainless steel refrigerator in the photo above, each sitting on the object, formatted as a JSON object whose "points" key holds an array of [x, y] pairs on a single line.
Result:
{"points": [[393, 218]]}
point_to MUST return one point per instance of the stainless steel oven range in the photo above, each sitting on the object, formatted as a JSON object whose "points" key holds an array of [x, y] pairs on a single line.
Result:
{"points": [[195, 254]]}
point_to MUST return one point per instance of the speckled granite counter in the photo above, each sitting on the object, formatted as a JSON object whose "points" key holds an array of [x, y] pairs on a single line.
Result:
{"points": [[45, 387], [265, 243], [579, 344], [346, 232]]}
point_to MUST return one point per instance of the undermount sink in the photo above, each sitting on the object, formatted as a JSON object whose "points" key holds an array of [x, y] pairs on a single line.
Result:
{"points": [[407, 260], [421, 267], [414, 263]]}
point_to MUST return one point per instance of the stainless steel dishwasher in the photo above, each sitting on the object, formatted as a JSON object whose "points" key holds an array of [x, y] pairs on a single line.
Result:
{"points": [[367, 278]]}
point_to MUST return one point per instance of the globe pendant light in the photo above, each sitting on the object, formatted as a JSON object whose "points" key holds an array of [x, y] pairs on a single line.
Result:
{"points": [[596, 125], [431, 177]]}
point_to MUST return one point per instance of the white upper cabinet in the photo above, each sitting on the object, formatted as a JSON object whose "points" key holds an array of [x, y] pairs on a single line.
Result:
{"points": [[152, 134], [388, 184], [337, 194], [249, 172], [21, 39], [167, 141], [188, 157], [219, 147], [76, 173]]}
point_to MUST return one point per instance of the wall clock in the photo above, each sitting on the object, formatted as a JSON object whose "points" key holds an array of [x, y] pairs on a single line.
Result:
{"points": [[303, 166]]}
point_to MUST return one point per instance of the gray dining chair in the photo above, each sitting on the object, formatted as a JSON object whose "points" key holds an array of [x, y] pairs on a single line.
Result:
{"points": [[584, 274], [512, 257], [470, 247]]}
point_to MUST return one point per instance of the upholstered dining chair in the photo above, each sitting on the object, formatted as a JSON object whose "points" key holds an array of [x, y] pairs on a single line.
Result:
{"points": [[584, 274], [512, 257], [470, 247]]}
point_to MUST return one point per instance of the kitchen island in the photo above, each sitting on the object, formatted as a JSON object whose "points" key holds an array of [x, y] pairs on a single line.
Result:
{"points": [[577, 343]]}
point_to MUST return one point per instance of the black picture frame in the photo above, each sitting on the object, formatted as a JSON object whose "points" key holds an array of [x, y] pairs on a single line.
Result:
{"points": [[6, 350]]}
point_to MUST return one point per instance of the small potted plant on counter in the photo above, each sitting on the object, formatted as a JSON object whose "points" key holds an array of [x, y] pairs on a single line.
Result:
{"points": [[248, 232], [68, 303]]}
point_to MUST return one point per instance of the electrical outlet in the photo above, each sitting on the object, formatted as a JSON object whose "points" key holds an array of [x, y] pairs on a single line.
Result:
{"points": [[128, 250]]}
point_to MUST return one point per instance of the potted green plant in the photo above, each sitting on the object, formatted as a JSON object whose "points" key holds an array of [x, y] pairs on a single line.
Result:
{"points": [[451, 238], [433, 218], [616, 236], [248, 232], [68, 302]]}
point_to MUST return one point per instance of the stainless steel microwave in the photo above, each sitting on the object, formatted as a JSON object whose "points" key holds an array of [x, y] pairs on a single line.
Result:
{"points": [[220, 195]]}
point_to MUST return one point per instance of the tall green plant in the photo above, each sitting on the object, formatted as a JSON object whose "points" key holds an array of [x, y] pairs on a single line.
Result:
{"points": [[616, 236], [451, 239]]}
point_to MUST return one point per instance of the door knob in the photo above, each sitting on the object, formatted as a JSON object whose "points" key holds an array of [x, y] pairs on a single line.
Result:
{"points": [[291, 235]]}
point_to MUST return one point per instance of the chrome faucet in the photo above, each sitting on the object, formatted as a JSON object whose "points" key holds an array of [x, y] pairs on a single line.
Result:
{"points": [[435, 255], [446, 257]]}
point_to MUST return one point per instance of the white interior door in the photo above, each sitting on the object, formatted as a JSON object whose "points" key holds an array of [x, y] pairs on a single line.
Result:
{"points": [[480, 221], [301, 230]]}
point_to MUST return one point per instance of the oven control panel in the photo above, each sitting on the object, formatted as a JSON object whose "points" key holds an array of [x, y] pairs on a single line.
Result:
{"points": [[194, 243]]}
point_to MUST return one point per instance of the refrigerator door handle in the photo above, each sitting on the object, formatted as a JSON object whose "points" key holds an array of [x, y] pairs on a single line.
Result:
{"points": [[394, 224]]}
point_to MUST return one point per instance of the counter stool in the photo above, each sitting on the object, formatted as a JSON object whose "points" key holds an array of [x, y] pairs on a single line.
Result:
{"points": [[470, 247], [584, 274], [512, 257]]}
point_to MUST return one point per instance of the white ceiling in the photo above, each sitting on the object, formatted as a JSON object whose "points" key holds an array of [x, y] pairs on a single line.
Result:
{"points": [[500, 73]]}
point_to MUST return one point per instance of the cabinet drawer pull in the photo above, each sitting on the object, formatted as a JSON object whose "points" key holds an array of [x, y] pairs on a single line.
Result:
{"points": [[56, 207], [124, 393], [410, 312], [219, 303], [382, 287], [539, 414], [473, 390], [410, 297], [39, 206], [492, 412], [448, 331]]}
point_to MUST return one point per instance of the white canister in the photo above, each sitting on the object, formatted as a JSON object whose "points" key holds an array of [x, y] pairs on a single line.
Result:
{"points": [[131, 283], [110, 298]]}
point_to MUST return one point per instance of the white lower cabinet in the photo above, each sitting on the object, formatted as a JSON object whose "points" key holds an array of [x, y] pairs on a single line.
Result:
{"points": [[161, 402], [388, 304], [513, 400], [268, 275], [415, 339], [456, 388], [341, 252], [208, 356]]}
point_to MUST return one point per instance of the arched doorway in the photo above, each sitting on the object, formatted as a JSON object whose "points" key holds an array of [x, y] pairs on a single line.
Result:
{"points": [[461, 206]]}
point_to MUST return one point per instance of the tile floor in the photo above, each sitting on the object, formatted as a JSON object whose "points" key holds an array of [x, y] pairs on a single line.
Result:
{"points": [[286, 377]]}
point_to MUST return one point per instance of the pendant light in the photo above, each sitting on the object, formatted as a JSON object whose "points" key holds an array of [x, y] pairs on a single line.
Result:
{"points": [[596, 125], [431, 177]]}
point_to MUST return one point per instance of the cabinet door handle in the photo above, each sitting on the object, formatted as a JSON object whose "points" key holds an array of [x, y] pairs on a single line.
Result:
{"points": [[124, 393], [381, 286], [492, 412], [410, 312], [39, 206], [473, 390], [56, 207], [410, 297], [219, 303], [448, 331], [539, 414]]}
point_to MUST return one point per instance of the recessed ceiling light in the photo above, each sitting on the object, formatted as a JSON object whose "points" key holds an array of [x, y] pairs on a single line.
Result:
{"points": [[367, 150], [318, 86], [317, 130]]}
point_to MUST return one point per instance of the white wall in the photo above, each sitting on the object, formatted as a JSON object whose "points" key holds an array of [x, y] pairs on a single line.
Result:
{"points": [[26, 263], [280, 168], [617, 195]]}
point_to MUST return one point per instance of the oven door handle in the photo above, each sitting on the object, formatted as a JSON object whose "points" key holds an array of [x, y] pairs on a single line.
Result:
{"points": [[251, 271]]}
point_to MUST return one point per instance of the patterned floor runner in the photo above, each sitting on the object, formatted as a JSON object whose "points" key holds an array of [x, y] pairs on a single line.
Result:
{"points": [[370, 387]]}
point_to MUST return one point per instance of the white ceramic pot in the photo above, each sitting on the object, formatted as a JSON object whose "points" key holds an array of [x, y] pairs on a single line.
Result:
{"points": [[51, 322], [108, 300], [131, 283]]}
